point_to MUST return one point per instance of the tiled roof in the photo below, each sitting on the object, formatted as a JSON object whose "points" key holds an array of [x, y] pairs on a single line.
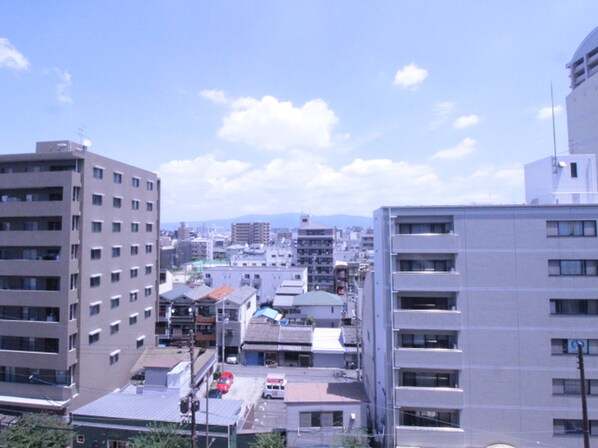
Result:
{"points": [[176, 292], [317, 297], [241, 295], [220, 292], [265, 332], [198, 292]]}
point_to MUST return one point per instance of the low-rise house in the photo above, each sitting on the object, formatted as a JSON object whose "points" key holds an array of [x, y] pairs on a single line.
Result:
{"points": [[327, 348], [324, 308], [238, 307], [325, 414]]}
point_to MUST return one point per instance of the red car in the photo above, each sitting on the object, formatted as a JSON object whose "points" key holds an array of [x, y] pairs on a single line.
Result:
{"points": [[225, 382]]}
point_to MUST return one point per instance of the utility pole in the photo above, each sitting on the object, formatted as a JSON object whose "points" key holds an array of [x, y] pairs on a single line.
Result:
{"points": [[193, 402], [584, 403]]}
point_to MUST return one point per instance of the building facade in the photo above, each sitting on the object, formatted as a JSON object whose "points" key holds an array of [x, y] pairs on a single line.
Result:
{"points": [[78, 274], [250, 233], [315, 251], [477, 312]]}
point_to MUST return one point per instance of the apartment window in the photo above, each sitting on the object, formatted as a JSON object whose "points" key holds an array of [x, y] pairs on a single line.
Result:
{"points": [[116, 251], [573, 267], [94, 281], [116, 226], [133, 296], [96, 253], [75, 221], [573, 169], [74, 251], [572, 427], [574, 307], [424, 228], [94, 336], [94, 308], [134, 249], [135, 182], [76, 194], [115, 327], [74, 281], [140, 341], [319, 419], [571, 228], [114, 357], [426, 303], [147, 291], [72, 341], [96, 226], [134, 204], [148, 269], [429, 418], [134, 227], [73, 311], [97, 199], [425, 265], [147, 312], [149, 248], [134, 272], [149, 206], [150, 185], [133, 319], [564, 386], [428, 379], [117, 202], [115, 276], [118, 178], [423, 340], [149, 227], [115, 302], [98, 173], [570, 346]]}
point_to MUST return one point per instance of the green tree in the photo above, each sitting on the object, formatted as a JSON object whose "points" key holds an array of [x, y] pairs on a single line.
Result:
{"points": [[162, 436], [269, 440], [39, 431], [357, 440]]}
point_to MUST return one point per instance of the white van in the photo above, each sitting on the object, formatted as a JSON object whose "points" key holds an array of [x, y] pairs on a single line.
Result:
{"points": [[275, 386]]}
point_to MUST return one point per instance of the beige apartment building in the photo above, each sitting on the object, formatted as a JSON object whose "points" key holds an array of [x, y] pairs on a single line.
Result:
{"points": [[78, 274]]}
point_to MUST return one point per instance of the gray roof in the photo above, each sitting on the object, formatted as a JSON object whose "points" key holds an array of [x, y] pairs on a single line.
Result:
{"points": [[157, 405], [317, 298], [175, 293], [283, 301], [267, 333], [241, 295], [198, 292]]}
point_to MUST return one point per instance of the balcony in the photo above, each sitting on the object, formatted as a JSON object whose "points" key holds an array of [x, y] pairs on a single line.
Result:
{"points": [[426, 281], [429, 397], [415, 319], [425, 243], [205, 319], [428, 358]]}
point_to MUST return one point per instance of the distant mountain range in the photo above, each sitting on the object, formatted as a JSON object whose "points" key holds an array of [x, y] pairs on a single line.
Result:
{"points": [[281, 220]]}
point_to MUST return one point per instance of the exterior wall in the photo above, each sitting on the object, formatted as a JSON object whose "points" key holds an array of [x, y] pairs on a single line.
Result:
{"points": [[326, 316], [501, 324], [335, 360]]}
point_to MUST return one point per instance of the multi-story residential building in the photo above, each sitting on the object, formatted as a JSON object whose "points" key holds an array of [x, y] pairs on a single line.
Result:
{"points": [[582, 101], [477, 314], [193, 249], [250, 233], [315, 251], [78, 274]]}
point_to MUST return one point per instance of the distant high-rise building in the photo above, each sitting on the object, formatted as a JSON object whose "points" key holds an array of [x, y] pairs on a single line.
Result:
{"points": [[582, 102], [78, 274], [315, 251], [250, 233], [183, 232]]}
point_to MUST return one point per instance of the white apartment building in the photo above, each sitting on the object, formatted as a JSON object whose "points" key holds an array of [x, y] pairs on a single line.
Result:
{"points": [[78, 274], [476, 311]]}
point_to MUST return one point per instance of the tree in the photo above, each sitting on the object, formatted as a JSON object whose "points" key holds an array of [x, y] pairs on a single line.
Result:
{"points": [[357, 440], [162, 436], [269, 440], [39, 431]]}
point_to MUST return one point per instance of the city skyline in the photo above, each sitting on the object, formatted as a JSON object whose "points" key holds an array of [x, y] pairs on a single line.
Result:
{"points": [[269, 108]]}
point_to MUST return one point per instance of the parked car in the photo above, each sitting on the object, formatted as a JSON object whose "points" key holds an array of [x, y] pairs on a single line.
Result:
{"points": [[215, 393], [232, 359], [225, 382]]}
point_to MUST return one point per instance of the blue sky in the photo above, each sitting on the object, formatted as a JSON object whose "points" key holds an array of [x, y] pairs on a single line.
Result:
{"points": [[307, 106]]}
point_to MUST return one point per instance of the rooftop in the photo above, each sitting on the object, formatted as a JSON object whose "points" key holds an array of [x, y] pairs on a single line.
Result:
{"points": [[325, 393]]}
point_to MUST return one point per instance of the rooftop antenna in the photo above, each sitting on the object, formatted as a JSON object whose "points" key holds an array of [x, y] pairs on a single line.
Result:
{"points": [[553, 126]]}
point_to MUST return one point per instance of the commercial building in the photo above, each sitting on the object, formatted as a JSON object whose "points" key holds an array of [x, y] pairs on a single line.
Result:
{"points": [[78, 274], [477, 313]]}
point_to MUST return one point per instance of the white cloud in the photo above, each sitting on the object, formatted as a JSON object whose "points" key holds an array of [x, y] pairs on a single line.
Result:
{"points": [[546, 112], [215, 96], [464, 148], [276, 125], [442, 111], [63, 94], [465, 121], [10, 57], [410, 76]]}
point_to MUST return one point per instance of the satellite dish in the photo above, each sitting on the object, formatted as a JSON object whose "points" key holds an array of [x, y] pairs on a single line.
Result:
{"points": [[87, 143]]}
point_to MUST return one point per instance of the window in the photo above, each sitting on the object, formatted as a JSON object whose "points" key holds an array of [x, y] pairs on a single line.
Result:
{"points": [[134, 227], [96, 253], [117, 444], [98, 173], [319, 419], [563, 386], [573, 267], [426, 265], [96, 226], [115, 251], [73, 311], [424, 228], [149, 248], [570, 427], [570, 346], [574, 307], [148, 269], [94, 308], [426, 378], [114, 356], [116, 226], [72, 341], [134, 204], [75, 222], [117, 202], [135, 182], [147, 312], [94, 281], [423, 340], [134, 249], [573, 169], [134, 272], [115, 327], [97, 199], [147, 291], [115, 302], [140, 341], [118, 178], [149, 227], [94, 336], [426, 303], [430, 418], [115, 276], [150, 185], [133, 319], [571, 228], [74, 251], [74, 281], [76, 193], [133, 296], [149, 206]]}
